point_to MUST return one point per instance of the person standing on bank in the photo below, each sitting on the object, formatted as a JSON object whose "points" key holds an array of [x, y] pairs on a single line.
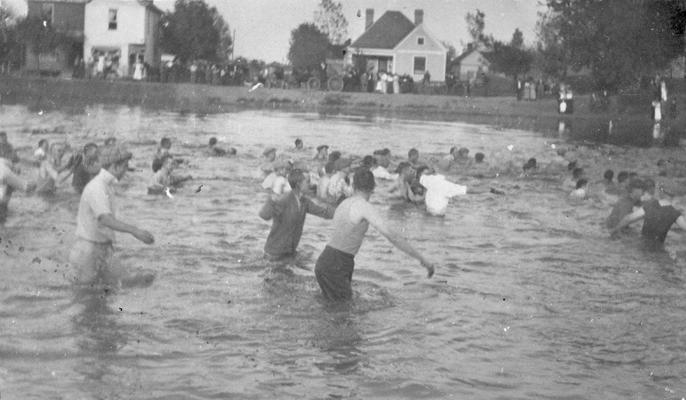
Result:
{"points": [[96, 222], [334, 267], [288, 212]]}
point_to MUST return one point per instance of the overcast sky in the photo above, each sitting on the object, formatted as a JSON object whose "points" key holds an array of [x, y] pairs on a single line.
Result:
{"points": [[263, 27]]}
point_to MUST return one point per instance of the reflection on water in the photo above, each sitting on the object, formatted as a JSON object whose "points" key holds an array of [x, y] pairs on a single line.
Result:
{"points": [[531, 298]]}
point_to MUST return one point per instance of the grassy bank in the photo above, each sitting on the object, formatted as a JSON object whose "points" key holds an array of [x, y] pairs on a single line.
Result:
{"points": [[630, 115]]}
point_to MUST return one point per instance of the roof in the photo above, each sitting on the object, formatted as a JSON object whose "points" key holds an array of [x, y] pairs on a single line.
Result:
{"points": [[485, 54], [386, 32]]}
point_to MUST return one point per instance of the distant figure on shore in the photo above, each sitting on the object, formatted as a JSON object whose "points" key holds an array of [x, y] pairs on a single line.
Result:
{"points": [[288, 212], [335, 265], [139, 69], [96, 222]]}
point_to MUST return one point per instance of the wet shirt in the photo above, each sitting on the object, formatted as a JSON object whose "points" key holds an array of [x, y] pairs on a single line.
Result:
{"points": [[288, 216], [622, 208], [97, 200], [658, 220], [438, 193], [80, 171]]}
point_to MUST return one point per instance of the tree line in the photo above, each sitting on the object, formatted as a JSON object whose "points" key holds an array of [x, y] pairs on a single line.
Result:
{"points": [[618, 42]]}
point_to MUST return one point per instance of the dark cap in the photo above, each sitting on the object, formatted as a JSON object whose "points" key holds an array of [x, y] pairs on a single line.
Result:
{"points": [[322, 146]]}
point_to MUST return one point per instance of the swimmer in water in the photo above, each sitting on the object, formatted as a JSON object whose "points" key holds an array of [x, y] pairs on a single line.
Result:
{"points": [[335, 265], [164, 180], [163, 150], [322, 153], [216, 151]]}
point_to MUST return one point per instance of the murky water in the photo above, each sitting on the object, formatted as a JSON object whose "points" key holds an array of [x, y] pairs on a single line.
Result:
{"points": [[531, 298]]}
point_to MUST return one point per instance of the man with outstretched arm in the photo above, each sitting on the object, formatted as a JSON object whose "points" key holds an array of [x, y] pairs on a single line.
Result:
{"points": [[334, 268], [96, 221]]}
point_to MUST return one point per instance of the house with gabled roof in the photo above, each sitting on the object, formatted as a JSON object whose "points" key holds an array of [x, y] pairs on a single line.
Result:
{"points": [[123, 31], [471, 64], [394, 44]]}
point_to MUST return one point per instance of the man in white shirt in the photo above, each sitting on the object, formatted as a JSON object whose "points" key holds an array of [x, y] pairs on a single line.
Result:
{"points": [[96, 222]]}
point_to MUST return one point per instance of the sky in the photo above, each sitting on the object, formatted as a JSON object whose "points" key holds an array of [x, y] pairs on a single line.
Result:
{"points": [[263, 27]]}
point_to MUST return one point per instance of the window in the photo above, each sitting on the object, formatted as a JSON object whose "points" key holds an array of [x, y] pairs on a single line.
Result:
{"points": [[47, 12], [112, 20], [419, 65], [420, 41]]}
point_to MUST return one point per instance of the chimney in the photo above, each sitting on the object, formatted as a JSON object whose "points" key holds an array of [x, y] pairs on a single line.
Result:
{"points": [[418, 17], [369, 18]]}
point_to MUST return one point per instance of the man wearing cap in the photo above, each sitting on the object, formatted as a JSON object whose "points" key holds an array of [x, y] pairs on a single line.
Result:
{"points": [[96, 221], [9, 181], [288, 214]]}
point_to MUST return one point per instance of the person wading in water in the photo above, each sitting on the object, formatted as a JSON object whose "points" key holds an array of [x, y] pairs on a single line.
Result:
{"points": [[334, 268]]}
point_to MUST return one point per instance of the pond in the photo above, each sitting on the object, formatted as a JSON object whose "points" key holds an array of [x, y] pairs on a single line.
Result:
{"points": [[531, 298]]}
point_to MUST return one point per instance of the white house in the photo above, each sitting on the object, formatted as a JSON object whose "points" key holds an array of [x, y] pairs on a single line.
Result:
{"points": [[397, 45], [123, 30], [470, 64]]}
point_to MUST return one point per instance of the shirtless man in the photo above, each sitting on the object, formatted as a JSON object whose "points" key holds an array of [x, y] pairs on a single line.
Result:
{"points": [[334, 267]]}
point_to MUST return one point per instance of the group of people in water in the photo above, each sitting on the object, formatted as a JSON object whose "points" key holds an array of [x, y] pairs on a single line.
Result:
{"points": [[328, 185]]}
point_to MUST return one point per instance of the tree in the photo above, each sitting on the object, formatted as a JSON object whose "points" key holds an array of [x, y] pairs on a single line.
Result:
{"points": [[225, 46], [330, 20], [9, 41], [309, 46], [476, 22], [195, 31], [517, 40], [510, 60], [618, 42], [41, 37]]}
